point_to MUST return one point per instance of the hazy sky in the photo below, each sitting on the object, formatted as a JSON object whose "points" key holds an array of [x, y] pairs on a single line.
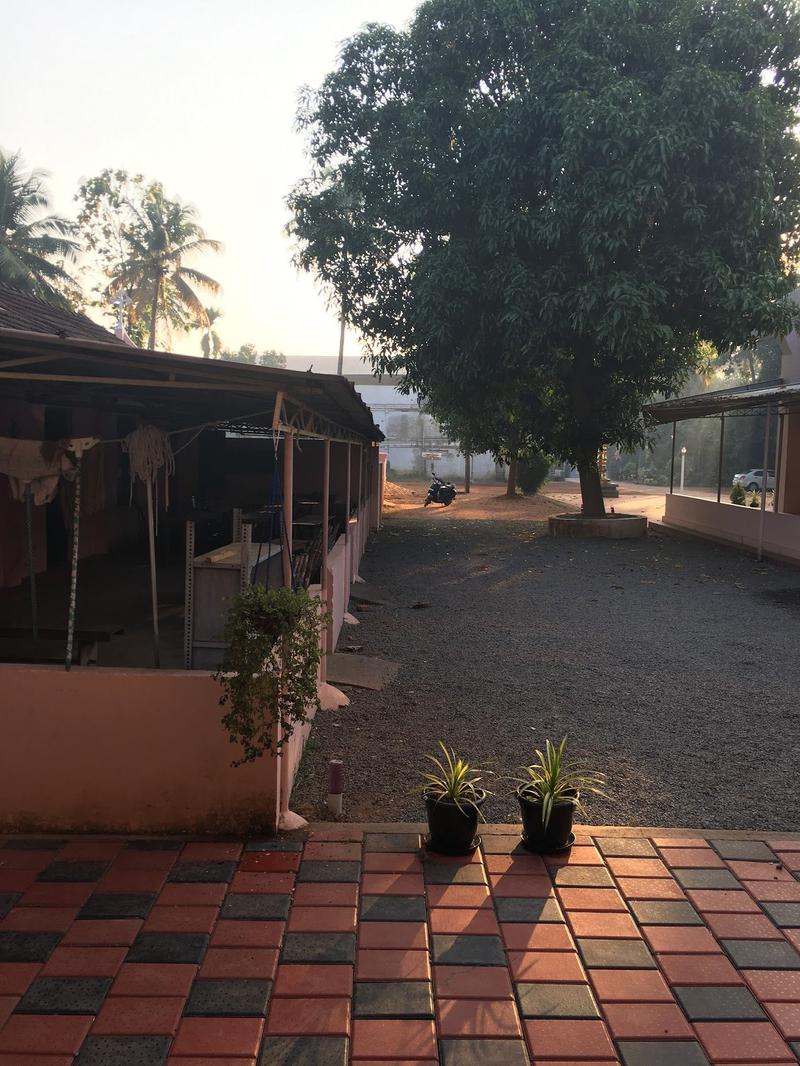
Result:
{"points": [[202, 95]]}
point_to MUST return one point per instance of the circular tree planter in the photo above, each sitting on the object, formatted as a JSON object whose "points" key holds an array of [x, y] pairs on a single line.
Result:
{"points": [[612, 526]]}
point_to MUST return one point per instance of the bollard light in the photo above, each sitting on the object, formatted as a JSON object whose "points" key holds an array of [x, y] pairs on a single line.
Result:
{"points": [[335, 786]]}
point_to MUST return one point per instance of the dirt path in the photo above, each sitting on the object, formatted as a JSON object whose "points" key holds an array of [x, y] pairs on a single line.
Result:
{"points": [[671, 663]]}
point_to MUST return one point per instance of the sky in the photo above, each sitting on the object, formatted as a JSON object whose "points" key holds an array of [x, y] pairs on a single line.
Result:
{"points": [[202, 95]]}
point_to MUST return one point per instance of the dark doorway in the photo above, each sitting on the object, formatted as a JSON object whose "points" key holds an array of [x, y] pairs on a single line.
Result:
{"points": [[57, 426]]}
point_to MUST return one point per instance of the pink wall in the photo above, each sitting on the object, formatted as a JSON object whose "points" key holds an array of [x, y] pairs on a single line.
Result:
{"points": [[124, 750]]}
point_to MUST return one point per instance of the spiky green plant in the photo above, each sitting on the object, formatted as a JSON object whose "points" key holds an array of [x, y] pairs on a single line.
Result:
{"points": [[453, 779], [552, 779]]}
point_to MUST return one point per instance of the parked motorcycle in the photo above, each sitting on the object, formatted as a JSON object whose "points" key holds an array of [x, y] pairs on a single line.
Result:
{"points": [[443, 492]]}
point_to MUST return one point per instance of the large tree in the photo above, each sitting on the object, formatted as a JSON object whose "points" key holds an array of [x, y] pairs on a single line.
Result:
{"points": [[566, 194], [35, 245]]}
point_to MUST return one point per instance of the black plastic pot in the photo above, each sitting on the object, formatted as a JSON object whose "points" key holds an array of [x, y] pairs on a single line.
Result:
{"points": [[557, 835], [452, 829]]}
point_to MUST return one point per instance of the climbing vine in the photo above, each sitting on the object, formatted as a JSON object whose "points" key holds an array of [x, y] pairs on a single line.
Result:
{"points": [[269, 670]]}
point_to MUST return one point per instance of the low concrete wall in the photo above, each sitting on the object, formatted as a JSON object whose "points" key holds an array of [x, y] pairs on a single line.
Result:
{"points": [[735, 525], [124, 750]]}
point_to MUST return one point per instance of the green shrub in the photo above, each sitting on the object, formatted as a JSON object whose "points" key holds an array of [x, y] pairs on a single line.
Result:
{"points": [[754, 500], [532, 472], [738, 495]]}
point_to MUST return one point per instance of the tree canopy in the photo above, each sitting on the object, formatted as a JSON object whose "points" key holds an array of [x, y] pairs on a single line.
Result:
{"points": [[565, 195]]}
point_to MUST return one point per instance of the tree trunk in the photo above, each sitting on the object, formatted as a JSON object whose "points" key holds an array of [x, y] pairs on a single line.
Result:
{"points": [[467, 472], [591, 493], [511, 487], [151, 343]]}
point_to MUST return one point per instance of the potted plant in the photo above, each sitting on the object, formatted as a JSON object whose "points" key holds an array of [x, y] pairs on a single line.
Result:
{"points": [[453, 799], [549, 795]]}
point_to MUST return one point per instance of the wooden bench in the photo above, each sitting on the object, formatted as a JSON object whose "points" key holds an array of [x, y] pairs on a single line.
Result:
{"points": [[17, 644]]}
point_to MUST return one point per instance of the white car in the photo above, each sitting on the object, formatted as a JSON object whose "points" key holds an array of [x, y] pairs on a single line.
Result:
{"points": [[753, 479]]}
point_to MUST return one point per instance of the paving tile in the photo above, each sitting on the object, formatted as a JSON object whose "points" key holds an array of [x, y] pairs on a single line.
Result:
{"points": [[247, 935], [787, 1018], [16, 880], [55, 894], [543, 1000], [337, 833], [73, 871], [302, 1051], [591, 899], [117, 905], [154, 844], [384, 935], [65, 995], [27, 947], [204, 871], [154, 861], [724, 901], [132, 880], [549, 966], [228, 998], [665, 912], [495, 1018], [319, 947], [692, 858], [410, 1038], [784, 915], [453, 874], [240, 962], [478, 921], [583, 876], [577, 1039], [774, 985], [705, 878], [7, 1005], [616, 954], [7, 901], [332, 851], [393, 884], [472, 982], [329, 870], [662, 1053], [394, 965], [216, 1037], [31, 1034], [33, 844], [211, 851], [468, 896], [713, 969], [742, 927], [391, 862], [166, 919], [523, 864], [631, 847], [40, 919], [759, 871], [105, 932], [771, 891], [192, 895], [467, 950], [510, 909], [15, 977], [20, 859], [679, 939], [793, 936], [322, 920], [630, 986], [391, 841], [738, 1041], [168, 947], [516, 885], [154, 979], [313, 980], [626, 867], [502, 843], [646, 1021], [94, 961], [275, 844], [92, 849], [650, 888], [255, 906], [518, 936], [326, 895], [762, 954], [138, 1016], [124, 1051], [577, 855], [483, 1053], [718, 1003], [393, 999], [755, 850], [610, 924], [392, 909]]}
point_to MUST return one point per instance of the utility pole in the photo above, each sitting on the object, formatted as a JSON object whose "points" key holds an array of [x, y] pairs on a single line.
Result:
{"points": [[340, 367]]}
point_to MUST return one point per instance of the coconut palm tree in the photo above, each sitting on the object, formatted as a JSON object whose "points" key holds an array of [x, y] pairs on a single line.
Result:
{"points": [[34, 245], [163, 235], [211, 342]]}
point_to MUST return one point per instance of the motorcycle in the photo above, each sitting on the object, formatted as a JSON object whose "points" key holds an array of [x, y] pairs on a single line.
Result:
{"points": [[443, 492]]}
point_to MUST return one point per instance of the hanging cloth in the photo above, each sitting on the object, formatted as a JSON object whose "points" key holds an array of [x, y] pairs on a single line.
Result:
{"points": [[40, 464]]}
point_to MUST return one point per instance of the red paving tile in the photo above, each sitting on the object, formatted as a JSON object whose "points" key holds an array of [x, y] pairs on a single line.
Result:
{"points": [[323, 979], [530, 865], [646, 1021], [336, 833], [392, 1038], [516, 885], [630, 986], [16, 880], [692, 858], [774, 985], [263, 882], [475, 921], [218, 1037], [760, 871], [650, 888], [111, 932], [491, 1018], [738, 1041], [270, 861], [36, 1060], [611, 925], [43, 1034], [211, 852], [239, 962], [554, 966], [154, 979], [774, 891], [339, 852], [171, 919], [322, 920], [132, 881], [723, 901], [393, 965], [306, 1017], [247, 935], [84, 962], [699, 970], [192, 895], [322, 895], [25, 860], [623, 867], [55, 894], [470, 896], [544, 936], [591, 899], [680, 842], [579, 855], [679, 939], [385, 862], [7, 1006], [39, 919], [742, 927], [384, 935], [579, 1039], [139, 1016], [16, 976], [472, 982], [392, 884], [787, 1018]]}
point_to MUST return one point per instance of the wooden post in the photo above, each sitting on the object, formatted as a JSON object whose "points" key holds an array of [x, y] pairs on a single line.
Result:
{"points": [[323, 566], [288, 498], [764, 465], [467, 473], [31, 563], [151, 544], [672, 460], [360, 478]]}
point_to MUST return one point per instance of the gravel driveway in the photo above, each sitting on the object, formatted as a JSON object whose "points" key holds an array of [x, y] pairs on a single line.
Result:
{"points": [[672, 664]]}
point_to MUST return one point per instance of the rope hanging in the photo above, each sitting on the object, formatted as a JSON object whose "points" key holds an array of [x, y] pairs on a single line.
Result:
{"points": [[149, 450]]}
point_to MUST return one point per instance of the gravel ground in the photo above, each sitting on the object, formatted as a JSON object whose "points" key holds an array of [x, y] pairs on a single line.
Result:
{"points": [[648, 654]]}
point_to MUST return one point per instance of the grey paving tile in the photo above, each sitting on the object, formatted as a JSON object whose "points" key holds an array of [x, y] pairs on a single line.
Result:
{"points": [[246, 998], [274, 844], [7, 901], [582, 876], [73, 871], [64, 995], [153, 844], [466, 950], [556, 1001], [34, 844], [393, 842], [303, 1051], [662, 1053], [664, 912], [445, 873], [255, 906], [332, 870], [392, 999], [319, 947], [483, 1053], [784, 915], [514, 909], [124, 1051], [752, 850], [168, 947], [27, 947], [762, 954], [616, 954], [795, 1046], [723, 1003], [705, 879], [102, 905], [626, 847], [202, 872], [393, 909]]}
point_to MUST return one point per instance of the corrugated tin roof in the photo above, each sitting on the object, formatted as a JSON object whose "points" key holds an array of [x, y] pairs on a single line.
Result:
{"points": [[715, 403]]}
